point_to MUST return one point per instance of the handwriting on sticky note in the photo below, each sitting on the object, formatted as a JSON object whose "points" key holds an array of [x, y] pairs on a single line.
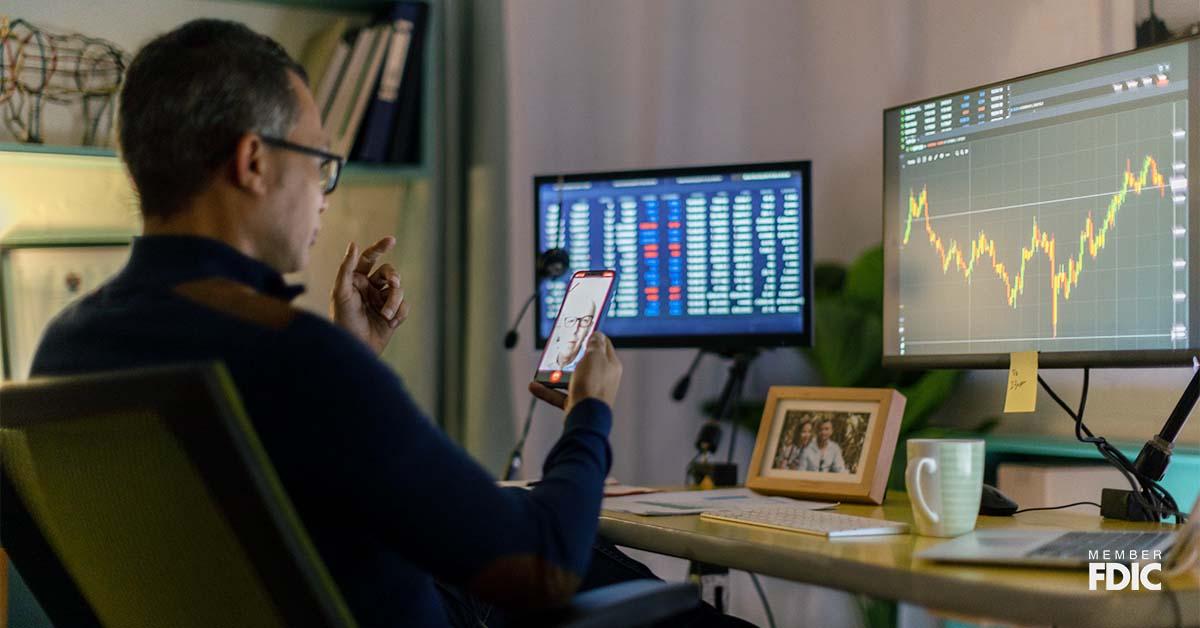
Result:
{"points": [[1022, 382]]}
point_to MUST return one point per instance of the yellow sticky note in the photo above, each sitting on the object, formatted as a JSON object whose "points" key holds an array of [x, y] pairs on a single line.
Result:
{"points": [[1022, 382]]}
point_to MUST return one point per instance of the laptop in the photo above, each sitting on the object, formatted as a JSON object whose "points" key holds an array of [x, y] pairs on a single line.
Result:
{"points": [[1059, 548]]}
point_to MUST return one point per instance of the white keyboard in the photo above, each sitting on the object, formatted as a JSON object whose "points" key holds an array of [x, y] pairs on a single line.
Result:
{"points": [[818, 522]]}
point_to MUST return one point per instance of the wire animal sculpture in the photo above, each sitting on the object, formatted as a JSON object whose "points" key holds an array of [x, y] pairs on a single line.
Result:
{"points": [[39, 67]]}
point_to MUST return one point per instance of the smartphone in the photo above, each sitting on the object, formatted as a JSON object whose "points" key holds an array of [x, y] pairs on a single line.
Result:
{"points": [[578, 316]]}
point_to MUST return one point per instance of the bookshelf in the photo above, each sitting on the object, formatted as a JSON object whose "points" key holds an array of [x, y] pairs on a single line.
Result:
{"points": [[355, 172], [374, 199], [368, 173]]}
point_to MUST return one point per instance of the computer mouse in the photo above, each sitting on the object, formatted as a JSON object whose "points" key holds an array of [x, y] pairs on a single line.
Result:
{"points": [[996, 504]]}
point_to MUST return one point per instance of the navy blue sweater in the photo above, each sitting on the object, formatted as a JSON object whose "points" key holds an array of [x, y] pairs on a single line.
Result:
{"points": [[390, 502]]}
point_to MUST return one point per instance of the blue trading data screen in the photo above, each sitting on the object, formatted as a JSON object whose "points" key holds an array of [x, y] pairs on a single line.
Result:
{"points": [[700, 257]]}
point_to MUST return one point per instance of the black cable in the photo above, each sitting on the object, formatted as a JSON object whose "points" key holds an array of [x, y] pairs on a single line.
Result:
{"points": [[1057, 507], [1106, 451], [681, 387], [1083, 394], [1109, 453], [1156, 492], [1150, 495], [763, 596], [514, 458]]}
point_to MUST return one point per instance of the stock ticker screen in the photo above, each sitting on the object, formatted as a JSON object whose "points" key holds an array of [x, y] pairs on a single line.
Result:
{"points": [[703, 256], [1048, 213]]}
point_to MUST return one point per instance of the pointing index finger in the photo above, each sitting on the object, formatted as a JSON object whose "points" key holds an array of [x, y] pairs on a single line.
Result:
{"points": [[373, 253]]}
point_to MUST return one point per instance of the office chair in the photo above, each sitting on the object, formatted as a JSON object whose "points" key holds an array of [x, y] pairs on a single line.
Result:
{"points": [[116, 495]]}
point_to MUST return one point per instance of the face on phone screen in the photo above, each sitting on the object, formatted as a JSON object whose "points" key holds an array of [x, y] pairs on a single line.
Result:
{"points": [[582, 308]]}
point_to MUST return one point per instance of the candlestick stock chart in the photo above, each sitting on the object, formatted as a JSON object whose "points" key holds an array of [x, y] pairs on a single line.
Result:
{"points": [[1068, 236]]}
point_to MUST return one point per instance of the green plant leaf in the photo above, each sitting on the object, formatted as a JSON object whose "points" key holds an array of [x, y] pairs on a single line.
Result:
{"points": [[864, 280], [876, 613], [848, 342], [900, 458], [925, 396], [828, 278]]}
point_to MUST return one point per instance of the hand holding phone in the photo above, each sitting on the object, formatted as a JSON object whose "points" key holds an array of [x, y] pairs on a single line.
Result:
{"points": [[598, 376], [578, 317]]}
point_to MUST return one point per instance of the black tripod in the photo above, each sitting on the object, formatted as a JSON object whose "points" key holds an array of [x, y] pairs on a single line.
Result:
{"points": [[714, 579], [702, 471]]}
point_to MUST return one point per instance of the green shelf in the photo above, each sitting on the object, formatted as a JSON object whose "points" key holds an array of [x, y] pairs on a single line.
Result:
{"points": [[339, 6], [355, 172], [1063, 447], [51, 149], [75, 237]]}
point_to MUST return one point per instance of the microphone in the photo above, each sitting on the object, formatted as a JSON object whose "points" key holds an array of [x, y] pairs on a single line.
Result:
{"points": [[551, 264], [681, 387], [709, 438]]}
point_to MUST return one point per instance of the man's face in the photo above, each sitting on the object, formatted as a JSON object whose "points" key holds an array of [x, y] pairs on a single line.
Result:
{"points": [[290, 217], [825, 433], [577, 319]]}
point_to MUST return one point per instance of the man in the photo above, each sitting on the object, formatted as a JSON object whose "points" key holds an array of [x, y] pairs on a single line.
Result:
{"points": [[225, 148], [824, 454], [571, 333]]}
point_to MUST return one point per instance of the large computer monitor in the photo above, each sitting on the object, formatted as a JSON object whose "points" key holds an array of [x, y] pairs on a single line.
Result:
{"points": [[712, 257], [1046, 213]]}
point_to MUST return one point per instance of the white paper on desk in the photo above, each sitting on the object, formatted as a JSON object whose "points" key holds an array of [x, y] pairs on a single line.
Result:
{"points": [[612, 488], [696, 502]]}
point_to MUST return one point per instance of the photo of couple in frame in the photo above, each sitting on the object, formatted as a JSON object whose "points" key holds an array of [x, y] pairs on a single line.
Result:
{"points": [[826, 443]]}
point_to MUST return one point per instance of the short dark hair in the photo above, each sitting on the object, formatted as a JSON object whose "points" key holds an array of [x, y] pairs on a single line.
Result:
{"points": [[189, 95]]}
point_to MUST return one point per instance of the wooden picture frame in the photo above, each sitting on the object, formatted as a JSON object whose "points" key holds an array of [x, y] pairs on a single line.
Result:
{"points": [[860, 428], [38, 278]]}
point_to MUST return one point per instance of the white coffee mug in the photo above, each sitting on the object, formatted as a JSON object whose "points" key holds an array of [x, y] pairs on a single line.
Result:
{"points": [[944, 478]]}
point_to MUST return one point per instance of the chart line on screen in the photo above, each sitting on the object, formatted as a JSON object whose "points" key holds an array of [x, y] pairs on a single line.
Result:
{"points": [[1063, 277]]}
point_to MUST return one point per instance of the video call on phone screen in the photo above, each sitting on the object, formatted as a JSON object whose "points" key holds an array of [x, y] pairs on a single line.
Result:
{"points": [[578, 318]]}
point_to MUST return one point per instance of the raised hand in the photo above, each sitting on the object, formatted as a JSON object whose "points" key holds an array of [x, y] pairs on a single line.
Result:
{"points": [[369, 303]]}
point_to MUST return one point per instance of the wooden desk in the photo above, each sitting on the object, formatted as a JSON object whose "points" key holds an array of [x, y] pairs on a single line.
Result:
{"points": [[884, 567]]}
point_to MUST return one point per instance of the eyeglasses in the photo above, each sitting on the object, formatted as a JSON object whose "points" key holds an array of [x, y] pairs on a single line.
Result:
{"points": [[578, 321], [331, 165]]}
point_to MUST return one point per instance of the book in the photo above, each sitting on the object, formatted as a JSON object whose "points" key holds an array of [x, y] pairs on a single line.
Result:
{"points": [[338, 103], [332, 76], [406, 137], [357, 87], [320, 50], [378, 128]]}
